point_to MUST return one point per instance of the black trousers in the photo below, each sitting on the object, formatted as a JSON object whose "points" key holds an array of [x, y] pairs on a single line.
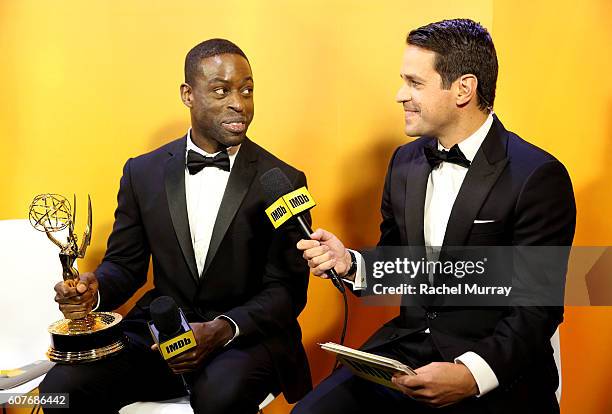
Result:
{"points": [[344, 393], [235, 380]]}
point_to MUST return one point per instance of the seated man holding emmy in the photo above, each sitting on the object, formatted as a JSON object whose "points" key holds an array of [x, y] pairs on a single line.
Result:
{"points": [[195, 208]]}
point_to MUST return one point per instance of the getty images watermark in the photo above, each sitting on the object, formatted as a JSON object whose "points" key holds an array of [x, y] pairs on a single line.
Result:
{"points": [[406, 268], [466, 276]]}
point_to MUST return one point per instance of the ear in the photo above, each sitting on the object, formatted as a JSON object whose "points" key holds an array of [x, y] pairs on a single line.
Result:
{"points": [[187, 95], [466, 89]]}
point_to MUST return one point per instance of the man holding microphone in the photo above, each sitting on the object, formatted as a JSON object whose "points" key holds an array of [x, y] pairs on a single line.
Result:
{"points": [[466, 181], [195, 208]]}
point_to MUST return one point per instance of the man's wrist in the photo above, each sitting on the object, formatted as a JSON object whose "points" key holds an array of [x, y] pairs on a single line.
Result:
{"points": [[224, 329], [470, 381], [481, 372], [351, 265]]}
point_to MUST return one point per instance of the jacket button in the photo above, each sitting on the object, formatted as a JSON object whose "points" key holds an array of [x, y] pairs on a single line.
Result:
{"points": [[432, 315]]}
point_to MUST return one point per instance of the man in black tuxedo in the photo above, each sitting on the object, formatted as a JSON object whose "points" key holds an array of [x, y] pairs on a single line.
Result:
{"points": [[466, 181], [196, 207]]}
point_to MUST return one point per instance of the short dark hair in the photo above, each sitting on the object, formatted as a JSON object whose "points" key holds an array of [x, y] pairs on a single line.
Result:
{"points": [[208, 48], [462, 46]]}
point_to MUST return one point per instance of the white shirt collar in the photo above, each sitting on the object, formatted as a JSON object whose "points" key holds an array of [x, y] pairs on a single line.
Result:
{"points": [[231, 151], [469, 146]]}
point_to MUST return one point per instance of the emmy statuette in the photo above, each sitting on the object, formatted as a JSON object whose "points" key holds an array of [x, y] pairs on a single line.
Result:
{"points": [[97, 335]]}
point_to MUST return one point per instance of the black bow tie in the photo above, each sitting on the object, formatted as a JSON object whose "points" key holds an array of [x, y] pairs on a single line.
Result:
{"points": [[454, 156], [196, 162]]}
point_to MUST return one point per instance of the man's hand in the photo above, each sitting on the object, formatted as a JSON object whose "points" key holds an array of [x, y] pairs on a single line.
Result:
{"points": [[76, 302], [438, 384], [325, 251], [209, 336]]}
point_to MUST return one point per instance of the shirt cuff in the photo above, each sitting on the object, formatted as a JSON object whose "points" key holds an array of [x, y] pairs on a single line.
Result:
{"points": [[97, 303], [485, 378], [360, 280], [236, 328]]}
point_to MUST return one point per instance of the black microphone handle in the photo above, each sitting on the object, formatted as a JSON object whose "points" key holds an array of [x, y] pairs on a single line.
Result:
{"points": [[307, 231], [162, 338]]}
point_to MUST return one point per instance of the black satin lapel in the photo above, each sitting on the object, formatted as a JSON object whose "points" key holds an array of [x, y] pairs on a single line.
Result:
{"points": [[477, 184], [241, 176], [177, 204], [414, 210]]}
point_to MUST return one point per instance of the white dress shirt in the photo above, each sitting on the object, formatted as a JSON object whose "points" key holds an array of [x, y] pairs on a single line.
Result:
{"points": [[443, 185], [204, 192]]}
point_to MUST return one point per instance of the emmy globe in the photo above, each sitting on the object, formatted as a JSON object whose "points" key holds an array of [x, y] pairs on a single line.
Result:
{"points": [[97, 335]]}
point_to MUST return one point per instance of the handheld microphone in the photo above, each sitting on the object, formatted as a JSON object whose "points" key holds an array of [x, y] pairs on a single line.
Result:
{"points": [[170, 329], [286, 204]]}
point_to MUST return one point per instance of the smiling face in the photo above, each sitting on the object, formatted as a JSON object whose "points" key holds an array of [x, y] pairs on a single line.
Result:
{"points": [[429, 109], [220, 101]]}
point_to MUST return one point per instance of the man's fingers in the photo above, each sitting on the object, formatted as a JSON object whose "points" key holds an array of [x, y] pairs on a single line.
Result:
{"points": [[183, 365], [182, 370], [323, 258], [317, 234], [72, 303], [315, 252], [323, 267], [71, 309], [186, 357], [189, 364], [423, 395], [68, 308], [76, 299], [307, 244], [64, 290], [322, 235], [75, 315], [416, 387], [187, 361], [410, 381], [403, 389], [81, 287], [86, 281], [320, 259]]}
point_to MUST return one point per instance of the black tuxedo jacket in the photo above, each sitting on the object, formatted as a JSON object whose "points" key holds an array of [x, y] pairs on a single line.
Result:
{"points": [[528, 194], [252, 274]]}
